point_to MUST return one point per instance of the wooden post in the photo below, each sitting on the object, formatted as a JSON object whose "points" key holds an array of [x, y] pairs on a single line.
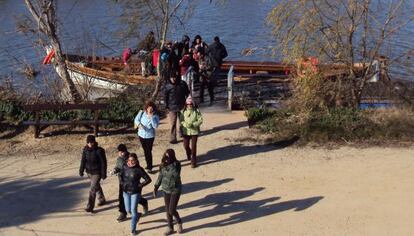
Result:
{"points": [[96, 125], [230, 77], [37, 124]]}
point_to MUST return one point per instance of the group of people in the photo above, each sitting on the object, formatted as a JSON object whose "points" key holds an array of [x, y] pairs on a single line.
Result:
{"points": [[204, 59], [132, 179], [176, 59], [132, 176]]}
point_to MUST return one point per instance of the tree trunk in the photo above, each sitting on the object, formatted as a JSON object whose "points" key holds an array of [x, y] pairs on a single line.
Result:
{"points": [[163, 38], [45, 18]]}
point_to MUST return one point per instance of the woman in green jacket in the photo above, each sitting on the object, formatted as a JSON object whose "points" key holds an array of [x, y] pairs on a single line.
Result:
{"points": [[190, 121], [169, 179]]}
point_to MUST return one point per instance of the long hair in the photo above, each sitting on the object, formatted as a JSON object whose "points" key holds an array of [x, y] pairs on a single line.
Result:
{"points": [[168, 157]]}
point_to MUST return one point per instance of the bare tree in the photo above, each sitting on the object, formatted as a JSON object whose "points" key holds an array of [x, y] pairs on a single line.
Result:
{"points": [[44, 14], [353, 33]]}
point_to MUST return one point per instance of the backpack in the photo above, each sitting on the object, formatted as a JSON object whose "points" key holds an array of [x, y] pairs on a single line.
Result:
{"points": [[209, 62]]}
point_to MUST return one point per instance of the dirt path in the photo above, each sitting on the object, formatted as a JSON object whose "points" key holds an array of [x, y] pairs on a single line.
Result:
{"points": [[239, 188]]}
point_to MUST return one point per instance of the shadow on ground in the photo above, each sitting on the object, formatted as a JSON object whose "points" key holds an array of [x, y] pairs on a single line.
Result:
{"points": [[25, 200], [225, 203], [240, 150], [242, 211], [232, 126]]}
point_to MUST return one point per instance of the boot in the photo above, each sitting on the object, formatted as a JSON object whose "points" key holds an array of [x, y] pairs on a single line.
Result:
{"points": [[168, 231], [193, 162], [122, 217], [180, 228]]}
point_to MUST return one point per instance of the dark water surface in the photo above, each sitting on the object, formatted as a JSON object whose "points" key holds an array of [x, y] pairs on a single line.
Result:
{"points": [[90, 26]]}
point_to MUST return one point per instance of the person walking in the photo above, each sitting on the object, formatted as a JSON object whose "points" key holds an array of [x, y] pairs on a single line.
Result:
{"points": [[131, 175], [94, 162], [190, 120], [147, 121], [169, 179], [122, 159], [215, 53], [175, 94]]}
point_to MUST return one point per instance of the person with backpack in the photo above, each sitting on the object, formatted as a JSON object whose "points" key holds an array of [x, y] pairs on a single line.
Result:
{"points": [[94, 162], [169, 179], [215, 53], [147, 121], [131, 175], [190, 121], [122, 159]]}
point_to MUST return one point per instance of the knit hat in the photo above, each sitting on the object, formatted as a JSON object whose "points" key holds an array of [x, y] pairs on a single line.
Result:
{"points": [[189, 100], [90, 139], [122, 148]]}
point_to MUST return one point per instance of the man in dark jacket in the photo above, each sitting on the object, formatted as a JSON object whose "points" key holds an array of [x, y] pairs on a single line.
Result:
{"points": [[123, 155], [175, 94], [215, 54], [94, 162]]}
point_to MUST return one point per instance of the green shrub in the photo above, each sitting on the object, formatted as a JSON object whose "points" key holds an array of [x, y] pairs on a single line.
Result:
{"points": [[12, 111], [255, 115]]}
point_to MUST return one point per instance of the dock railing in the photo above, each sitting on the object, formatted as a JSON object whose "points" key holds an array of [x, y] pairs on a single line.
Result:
{"points": [[230, 78]]}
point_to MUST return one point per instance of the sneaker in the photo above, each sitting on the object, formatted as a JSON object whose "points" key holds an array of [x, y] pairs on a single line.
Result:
{"points": [[134, 232], [122, 217], [180, 228]]}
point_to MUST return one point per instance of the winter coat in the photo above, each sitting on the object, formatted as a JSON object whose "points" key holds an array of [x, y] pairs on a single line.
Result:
{"points": [[190, 121], [93, 161], [131, 179], [169, 178], [175, 95], [216, 52]]}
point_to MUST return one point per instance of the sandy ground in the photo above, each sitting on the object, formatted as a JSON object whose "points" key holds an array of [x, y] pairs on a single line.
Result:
{"points": [[240, 188]]}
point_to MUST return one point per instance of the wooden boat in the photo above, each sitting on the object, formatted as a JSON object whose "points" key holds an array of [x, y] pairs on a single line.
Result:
{"points": [[111, 73]]}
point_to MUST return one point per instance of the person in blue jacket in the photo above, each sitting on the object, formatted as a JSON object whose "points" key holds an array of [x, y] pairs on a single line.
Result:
{"points": [[147, 121]]}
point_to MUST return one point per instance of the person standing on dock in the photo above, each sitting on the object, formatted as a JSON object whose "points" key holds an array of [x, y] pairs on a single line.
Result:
{"points": [[175, 94], [94, 162], [144, 50], [215, 53]]}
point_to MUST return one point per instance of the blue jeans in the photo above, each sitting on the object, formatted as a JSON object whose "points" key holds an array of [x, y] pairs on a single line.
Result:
{"points": [[131, 203]]}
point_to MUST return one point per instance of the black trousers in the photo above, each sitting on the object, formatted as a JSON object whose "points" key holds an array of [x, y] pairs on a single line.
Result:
{"points": [[121, 206], [147, 144], [206, 82], [171, 202]]}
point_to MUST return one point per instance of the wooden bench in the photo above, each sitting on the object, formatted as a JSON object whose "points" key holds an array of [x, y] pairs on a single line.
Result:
{"points": [[40, 124]]}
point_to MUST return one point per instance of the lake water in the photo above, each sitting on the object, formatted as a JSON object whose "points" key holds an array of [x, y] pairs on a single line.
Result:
{"points": [[90, 25]]}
